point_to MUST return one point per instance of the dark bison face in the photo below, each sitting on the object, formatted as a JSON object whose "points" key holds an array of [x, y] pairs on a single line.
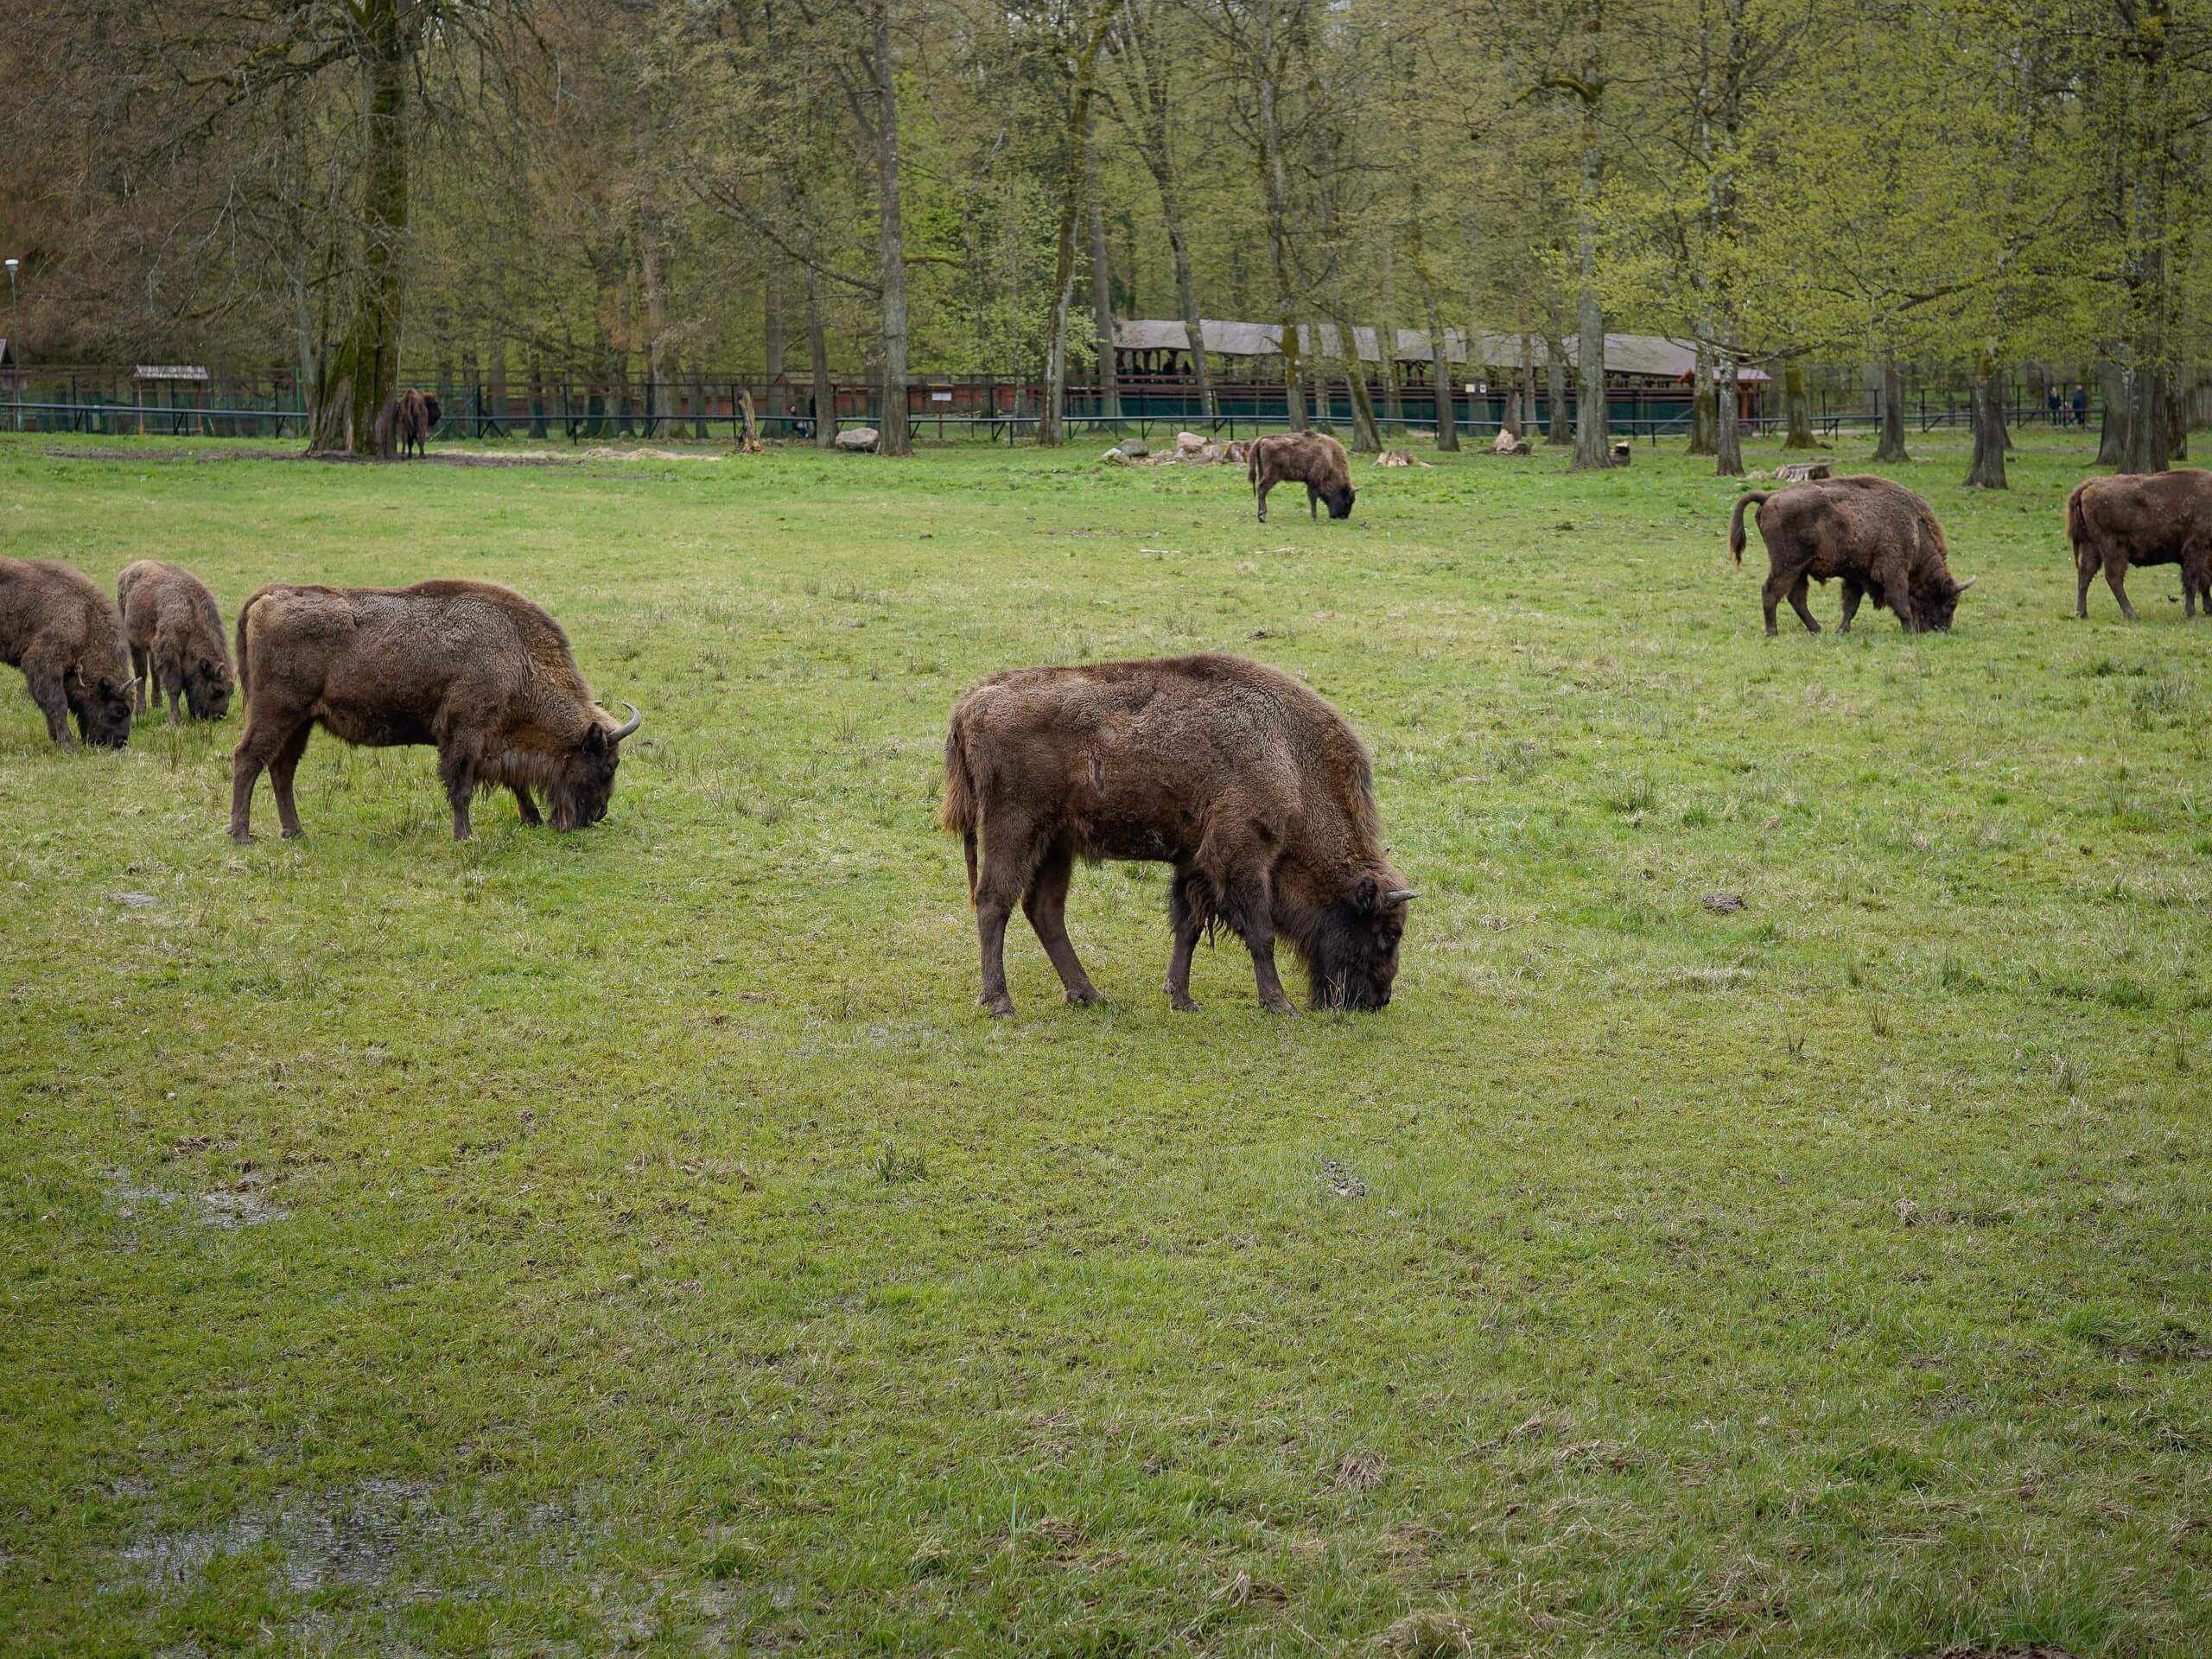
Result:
{"points": [[586, 783], [207, 690], [103, 710], [1340, 499], [1936, 609], [1356, 952]]}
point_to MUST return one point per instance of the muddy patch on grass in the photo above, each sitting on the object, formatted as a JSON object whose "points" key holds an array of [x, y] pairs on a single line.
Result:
{"points": [[244, 1203], [352, 1537]]}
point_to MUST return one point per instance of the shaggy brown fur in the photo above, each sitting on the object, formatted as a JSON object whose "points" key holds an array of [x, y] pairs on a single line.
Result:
{"points": [[1253, 788], [407, 422], [470, 666], [175, 635], [2139, 519], [61, 632], [1879, 538], [1314, 459]]}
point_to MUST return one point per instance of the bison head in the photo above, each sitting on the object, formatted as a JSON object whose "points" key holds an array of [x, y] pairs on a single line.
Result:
{"points": [[1354, 955], [207, 688], [1935, 607], [580, 789], [102, 707], [1339, 499]]}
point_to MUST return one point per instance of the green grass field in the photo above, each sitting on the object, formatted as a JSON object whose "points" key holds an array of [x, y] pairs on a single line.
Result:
{"points": [[638, 1240]]}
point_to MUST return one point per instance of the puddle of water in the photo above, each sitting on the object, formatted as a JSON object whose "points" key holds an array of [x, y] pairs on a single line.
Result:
{"points": [[227, 1207], [350, 1537]]}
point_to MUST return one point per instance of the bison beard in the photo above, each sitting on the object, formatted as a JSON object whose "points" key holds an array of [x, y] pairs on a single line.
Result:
{"points": [[68, 638], [175, 635], [1878, 538], [470, 666], [1314, 459], [1252, 787], [2142, 519]]}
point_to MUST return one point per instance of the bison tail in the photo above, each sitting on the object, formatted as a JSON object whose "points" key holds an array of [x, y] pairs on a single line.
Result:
{"points": [[239, 638], [1749, 499], [961, 811], [2077, 530]]}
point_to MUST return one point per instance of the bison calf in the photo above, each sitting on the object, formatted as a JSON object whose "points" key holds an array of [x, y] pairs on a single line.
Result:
{"points": [[1314, 459], [1878, 538], [470, 666], [1252, 787], [175, 636], [68, 638], [407, 422], [2141, 519]]}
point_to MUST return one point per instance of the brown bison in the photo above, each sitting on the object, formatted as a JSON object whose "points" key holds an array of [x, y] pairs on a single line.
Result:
{"points": [[1314, 459], [175, 636], [63, 633], [1253, 788], [408, 420], [470, 666], [2148, 518], [1878, 538]]}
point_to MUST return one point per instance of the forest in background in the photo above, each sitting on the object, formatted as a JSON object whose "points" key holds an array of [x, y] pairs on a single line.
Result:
{"points": [[648, 188]]}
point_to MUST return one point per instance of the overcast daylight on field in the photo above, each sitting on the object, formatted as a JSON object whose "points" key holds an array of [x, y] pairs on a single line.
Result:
{"points": [[1106, 827]]}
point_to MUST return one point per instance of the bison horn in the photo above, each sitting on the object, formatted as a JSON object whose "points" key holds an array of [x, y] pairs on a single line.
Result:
{"points": [[1967, 583], [629, 726], [1399, 895]]}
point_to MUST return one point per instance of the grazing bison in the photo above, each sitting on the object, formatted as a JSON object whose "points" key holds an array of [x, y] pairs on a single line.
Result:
{"points": [[2150, 518], [470, 666], [175, 636], [1314, 459], [1253, 788], [1878, 538], [62, 632], [408, 420]]}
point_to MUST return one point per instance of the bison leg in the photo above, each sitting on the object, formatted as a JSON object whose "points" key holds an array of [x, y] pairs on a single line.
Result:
{"points": [[1010, 855], [1246, 907], [281, 765], [141, 677], [1312, 503], [527, 806], [2116, 579], [258, 744], [1779, 584], [1260, 494], [172, 685], [1797, 591], [1045, 904], [45, 682], [1183, 919], [1853, 593], [2087, 570]]}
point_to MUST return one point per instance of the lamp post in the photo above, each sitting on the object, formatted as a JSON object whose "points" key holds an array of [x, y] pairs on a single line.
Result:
{"points": [[16, 345]]}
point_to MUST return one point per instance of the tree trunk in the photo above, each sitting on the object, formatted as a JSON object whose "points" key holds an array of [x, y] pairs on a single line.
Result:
{"points": [[1102, 280], [495, 364], [656, 315], [822, 397], [1365, 437], [1891, 446], [1592, 445], [1147, 82], [2112, 392], [896, 438], [2150, 446], [1274, 194], [1558, 429], [1051, 418], [1987, 471], [361, 376], [1439, 352], [1797, 404], [1705, 410], [1728, 434], [772, 323]]}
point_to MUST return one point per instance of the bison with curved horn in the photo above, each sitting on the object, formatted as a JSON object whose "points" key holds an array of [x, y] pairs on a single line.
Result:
{"points": [[471, 667], [1878, 538], [1255, 790]]}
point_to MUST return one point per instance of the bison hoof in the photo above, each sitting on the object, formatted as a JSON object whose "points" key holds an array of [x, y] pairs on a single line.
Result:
{"points": [[1086, 998], [998, 1007], [1285, 1007], [295, 835], [242, 837], [1183, 1005]]}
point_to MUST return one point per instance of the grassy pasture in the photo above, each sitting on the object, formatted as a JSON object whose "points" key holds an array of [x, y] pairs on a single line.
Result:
{"points": [[638, 1241]]}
